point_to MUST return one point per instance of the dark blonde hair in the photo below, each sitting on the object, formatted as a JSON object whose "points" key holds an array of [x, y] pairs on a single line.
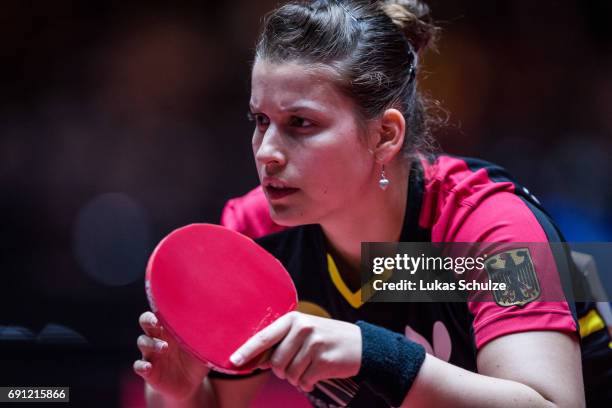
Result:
{"points": [[372, 46]]}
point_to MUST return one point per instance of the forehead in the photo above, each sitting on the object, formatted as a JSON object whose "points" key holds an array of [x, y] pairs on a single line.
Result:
{"points": [[283, 85]]}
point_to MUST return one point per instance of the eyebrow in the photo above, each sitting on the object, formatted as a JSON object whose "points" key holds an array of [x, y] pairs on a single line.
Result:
{"points": [[299, 107]]}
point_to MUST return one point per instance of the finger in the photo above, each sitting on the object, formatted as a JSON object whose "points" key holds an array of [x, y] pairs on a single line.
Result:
{"points": [[149, 324], [263, 340], [264, 365], [142, 368], [288, 349], [309, 378], [298, 366], [148, 345]]}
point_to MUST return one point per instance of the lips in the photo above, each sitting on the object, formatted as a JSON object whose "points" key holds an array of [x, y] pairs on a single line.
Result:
{"points": [[275, 193], [277, 188]]}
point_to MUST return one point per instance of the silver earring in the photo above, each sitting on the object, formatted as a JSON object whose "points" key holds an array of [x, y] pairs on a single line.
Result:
{"points": [[384, 181]]}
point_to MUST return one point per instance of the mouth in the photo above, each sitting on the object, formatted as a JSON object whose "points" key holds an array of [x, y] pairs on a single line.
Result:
{"points": [[275, 193], [276, 189]]}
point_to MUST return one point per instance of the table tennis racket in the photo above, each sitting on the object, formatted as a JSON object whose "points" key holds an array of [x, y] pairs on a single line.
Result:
{"points": [[213, 289]]}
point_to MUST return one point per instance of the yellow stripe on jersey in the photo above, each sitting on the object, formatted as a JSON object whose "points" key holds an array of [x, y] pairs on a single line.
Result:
{"points": [[591, 322], [353, 298]]}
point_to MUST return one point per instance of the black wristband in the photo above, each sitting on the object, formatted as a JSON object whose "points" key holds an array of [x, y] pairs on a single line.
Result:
{"points": [[389, 362]]}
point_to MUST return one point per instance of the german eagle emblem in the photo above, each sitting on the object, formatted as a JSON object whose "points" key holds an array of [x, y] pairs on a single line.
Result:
{"points": [[514, 268]]}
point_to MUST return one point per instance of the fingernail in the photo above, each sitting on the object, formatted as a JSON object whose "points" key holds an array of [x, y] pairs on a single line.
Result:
{"points": [[237, 359], [153, 321], [146, 367], [160, 345]]}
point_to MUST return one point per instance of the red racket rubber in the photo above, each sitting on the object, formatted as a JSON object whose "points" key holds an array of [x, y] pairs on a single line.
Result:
{"points": [[213, 289]]}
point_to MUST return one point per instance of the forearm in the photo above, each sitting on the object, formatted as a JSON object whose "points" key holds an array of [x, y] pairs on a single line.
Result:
{"points": [[440, 384], [531, 369], [202, 397]]}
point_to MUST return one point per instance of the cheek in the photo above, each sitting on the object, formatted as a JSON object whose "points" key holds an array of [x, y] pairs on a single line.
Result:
{"points": [[338, 167], [255, 145], [255, 142]]}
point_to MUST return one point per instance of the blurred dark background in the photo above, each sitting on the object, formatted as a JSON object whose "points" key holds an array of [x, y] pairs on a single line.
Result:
{"points": [[120, 121]]}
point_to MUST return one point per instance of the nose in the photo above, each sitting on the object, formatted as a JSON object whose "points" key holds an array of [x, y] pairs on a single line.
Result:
{"points": [[268, 149]]}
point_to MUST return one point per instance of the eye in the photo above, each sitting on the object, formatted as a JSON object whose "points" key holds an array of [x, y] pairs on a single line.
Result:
{"points": [[261, 120], [299, 122]]}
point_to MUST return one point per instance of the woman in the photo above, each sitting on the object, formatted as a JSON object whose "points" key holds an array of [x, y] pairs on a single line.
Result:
{"points": [[342, 149]]}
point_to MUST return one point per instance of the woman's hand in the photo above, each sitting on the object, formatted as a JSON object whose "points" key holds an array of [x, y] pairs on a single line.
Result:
{"points": [[308, 349], [165, 366]]}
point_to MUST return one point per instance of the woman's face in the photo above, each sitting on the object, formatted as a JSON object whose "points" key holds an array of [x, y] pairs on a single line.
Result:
{"points": [[312, 160]]}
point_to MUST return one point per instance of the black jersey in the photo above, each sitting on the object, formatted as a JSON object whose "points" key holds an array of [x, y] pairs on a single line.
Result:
{"points": [[449, 200]]}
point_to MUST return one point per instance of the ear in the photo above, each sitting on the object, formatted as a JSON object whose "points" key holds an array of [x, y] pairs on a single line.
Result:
{"points": [[391, 133]]}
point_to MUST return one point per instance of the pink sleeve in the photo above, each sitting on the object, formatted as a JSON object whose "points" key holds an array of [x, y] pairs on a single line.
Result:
{"points": [[249, 215], [504, 218]]}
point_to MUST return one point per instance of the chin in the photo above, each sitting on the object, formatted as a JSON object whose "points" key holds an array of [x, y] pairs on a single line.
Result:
{"points": [[288, 217]]}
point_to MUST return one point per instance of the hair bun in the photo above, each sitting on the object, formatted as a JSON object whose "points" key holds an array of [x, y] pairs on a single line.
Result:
{"points": [[411, 17]]}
